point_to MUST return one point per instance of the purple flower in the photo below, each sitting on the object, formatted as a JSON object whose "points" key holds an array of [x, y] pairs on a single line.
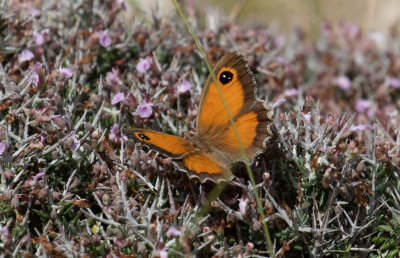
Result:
{"points": [[34, 78], [118, 98], [185, 86], [307, 116], [32, 181], [325, 27], [343, 82], [243, 204], [5, 231], [279, 102], [104, 38], [2, 148], [143, 65], [361, 127], [145, 109], [281, 60], [25, 55], [291, 92], [280, 41], [66, 72], [34, 12], [38, 176], [115, 134], [377, 37], [38, 38], [112, 76], [121, 242], [362, 105], [163, 254], [395, 82], [352, 29], [41, 37], [173, 232], [75, 143], [122, 4]]}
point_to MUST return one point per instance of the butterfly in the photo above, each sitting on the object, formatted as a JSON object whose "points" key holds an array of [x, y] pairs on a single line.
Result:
{"points": [[211, 153]]}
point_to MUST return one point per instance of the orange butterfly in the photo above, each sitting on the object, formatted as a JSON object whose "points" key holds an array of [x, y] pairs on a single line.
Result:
{"points": [[210, 154]]}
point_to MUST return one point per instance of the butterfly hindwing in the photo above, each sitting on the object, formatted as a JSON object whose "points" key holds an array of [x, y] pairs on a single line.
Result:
{"points": [[254, 130], [205, 166]]}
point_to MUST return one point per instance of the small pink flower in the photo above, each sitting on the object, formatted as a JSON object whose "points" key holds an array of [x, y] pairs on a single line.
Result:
{"points": [[66, 72], [343, 82], [105, 39], [121, 242], [38, 38], [115, 134], [325, 27], [307, 116], [361, 127], [122, 4], [163, 254], [395, 82], [41, 37], [34, 78], [34, 12], [75, 143], [118, 98], [280, 41], [243, 204], [281, 60], [25, 55], [6, 236], [33, 180], [291, 92], [377, 37], [145, 109], [112, 76], [5, 231], [352, 30], [143, 65], [2, 148], [363, 105], [173, 232], [185, 86], [279, 102], [38, 176]]}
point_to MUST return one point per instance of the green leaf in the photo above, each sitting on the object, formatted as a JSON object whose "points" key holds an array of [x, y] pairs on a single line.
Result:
{"points": [[348, 248], [385, 228]]}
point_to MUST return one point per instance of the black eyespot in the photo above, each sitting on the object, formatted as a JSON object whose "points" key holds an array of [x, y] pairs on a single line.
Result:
{"points": [[143, 137], [225, 77]]}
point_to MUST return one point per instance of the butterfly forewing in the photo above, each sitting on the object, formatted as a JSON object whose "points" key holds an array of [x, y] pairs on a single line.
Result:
{"points": [[237, 85], [170, 145]]}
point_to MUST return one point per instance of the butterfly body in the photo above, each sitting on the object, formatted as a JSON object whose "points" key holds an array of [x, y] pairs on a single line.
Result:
{"points": [[212, 151]]}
